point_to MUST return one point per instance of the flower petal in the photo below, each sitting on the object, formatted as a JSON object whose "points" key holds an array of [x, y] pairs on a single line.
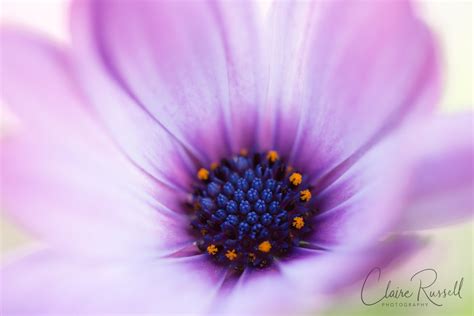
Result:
{"points": [[89, 288], [310, 279], [441, 186], [333, 272], [367, 194], [145, 142], [357, 69], [190, 66], [62, 178], [161, 287], [403, 183]]}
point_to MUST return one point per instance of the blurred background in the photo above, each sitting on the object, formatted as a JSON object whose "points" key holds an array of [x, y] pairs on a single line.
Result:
{"points": [[449, 250]]}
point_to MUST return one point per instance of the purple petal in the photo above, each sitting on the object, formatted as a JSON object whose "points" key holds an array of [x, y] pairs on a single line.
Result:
{"points": [[333, 272], [49, 283], [441, 186], [403, 183], [161, 287], [298, 286], [363, 204], [145, 142], [266, 292], [62, 178], [344, 74], [191, 67]]}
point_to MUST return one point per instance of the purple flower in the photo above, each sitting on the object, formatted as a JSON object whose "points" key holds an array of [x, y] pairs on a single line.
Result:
{"points": [[176, 159]]}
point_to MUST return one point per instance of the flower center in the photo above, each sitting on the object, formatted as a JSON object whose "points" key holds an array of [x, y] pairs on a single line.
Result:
{"points": [[250, 209]]}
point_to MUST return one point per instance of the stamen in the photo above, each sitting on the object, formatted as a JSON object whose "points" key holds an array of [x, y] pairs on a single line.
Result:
{"points": [[243, 152], [272, 156], [231, 254], [298, 222], [305, 195], [212, 249], [296, 178], [203, 174], [265, 246]]}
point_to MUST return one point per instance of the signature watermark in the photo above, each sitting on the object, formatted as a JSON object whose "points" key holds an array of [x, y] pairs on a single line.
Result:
{"points": [[422, 291]]}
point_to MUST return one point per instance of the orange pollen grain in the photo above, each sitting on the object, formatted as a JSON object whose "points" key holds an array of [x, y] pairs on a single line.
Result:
{"points": [[296, 178], [305, 195], [231, 254], [243, 152], [212, 249], [298, 222], [272, 156], [203, 174], [265, 246]]}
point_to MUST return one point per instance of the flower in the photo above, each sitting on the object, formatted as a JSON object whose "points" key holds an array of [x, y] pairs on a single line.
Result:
{"points": [[174, 161]]}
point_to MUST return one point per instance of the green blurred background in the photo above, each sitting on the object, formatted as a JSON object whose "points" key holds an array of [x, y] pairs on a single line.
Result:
{"points": [[449, 250]]}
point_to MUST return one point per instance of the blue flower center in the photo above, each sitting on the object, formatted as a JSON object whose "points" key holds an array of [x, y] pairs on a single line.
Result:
{"points": [[250, 209]]}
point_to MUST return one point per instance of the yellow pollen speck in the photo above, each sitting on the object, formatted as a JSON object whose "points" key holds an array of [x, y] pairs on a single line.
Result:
{"points": [[272, 155], [305, 195], [203, 174], [265, 246], [212, 249], [298, 222], [203, 231], [214, 165], [289, 169], [243, 152], [231, 254], [296, 178]]}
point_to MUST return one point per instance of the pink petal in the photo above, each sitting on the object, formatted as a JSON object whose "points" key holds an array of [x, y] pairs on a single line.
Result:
{"points": [[344, 73], [363, 204], [294, 287], [146, 143], [162, 287], [441, 186], [336, 272], [191, 67], [62, 178], [53, 284], [420, 177]]}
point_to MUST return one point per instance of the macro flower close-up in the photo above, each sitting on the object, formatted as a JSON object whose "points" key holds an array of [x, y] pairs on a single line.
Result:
{"points": [[187, 157]]}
